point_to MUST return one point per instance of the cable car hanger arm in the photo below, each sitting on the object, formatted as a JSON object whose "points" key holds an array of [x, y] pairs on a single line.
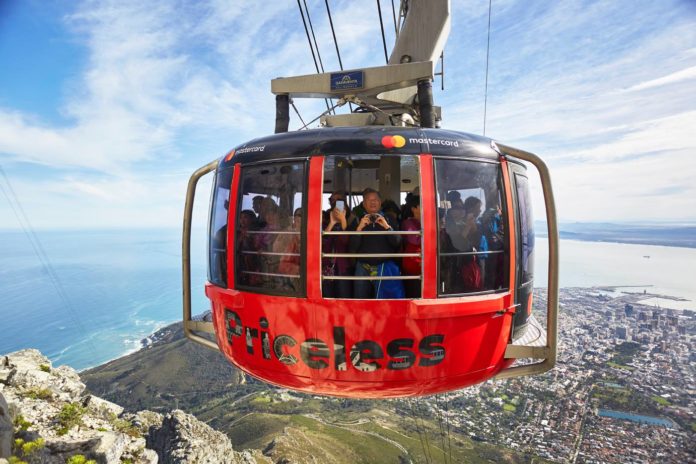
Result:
{"points": [[189, 324], [548, 352]]}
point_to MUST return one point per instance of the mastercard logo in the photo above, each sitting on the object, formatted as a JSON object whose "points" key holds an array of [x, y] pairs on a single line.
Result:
{"points": [[393, 141], [229, 155]]}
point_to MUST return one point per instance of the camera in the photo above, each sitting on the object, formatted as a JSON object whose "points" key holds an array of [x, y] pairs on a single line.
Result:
{"points": [[374, 217]]}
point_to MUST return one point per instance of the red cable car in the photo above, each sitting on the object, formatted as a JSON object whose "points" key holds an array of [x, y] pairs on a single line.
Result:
{"points": [[296, 303], [316, 282]]}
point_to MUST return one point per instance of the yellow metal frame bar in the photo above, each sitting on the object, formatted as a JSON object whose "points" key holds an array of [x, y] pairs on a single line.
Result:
{"points": [[190, 325], [548, 352]]}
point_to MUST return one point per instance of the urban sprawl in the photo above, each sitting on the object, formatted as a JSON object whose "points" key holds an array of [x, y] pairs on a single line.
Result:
{"points": [[617, 357]]}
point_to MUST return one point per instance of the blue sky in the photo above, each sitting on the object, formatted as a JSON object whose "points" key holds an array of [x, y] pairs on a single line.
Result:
{"points": [[107, 107]]}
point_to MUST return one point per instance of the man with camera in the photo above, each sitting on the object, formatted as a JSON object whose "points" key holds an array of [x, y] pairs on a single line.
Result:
{"points": [[375, 221]]}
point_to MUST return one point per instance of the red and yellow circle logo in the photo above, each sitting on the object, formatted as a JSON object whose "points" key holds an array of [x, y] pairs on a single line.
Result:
{"points": [[393, 141], [229, 155]]}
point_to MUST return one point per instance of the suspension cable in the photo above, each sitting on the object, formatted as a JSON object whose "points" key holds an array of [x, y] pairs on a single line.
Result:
{"points": [[396, 30], [311, 28], [40, 252], [328, 101], [488, 50], [338, 52], [418, 428], [447, 421], [381, 26], [309, 41], [443, 429], [440, 426], [425, 431], [333, 32], [316, 66]]}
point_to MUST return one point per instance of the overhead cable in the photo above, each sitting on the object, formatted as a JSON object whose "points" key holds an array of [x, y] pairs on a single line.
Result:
{"points": [[447, 421], [41, 254], [309, 41], [338, 52], [488, 50], [333, 32], [381, 26], [328, 101], [311, 28], [418, 428]]}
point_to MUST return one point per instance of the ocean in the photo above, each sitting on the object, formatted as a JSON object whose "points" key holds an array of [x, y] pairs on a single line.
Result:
{"points": [[113, 289], [107, 290]]}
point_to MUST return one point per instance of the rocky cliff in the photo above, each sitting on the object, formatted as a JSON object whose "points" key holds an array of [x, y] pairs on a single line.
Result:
{"points": [[46, 416]]}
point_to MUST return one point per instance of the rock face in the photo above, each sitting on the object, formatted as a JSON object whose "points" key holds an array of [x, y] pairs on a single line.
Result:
{"points": [[182, 439], [47, 417], [6, 429]]}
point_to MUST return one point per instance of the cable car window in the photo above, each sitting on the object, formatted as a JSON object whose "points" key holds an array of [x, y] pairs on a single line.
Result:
{"points": [[471, 240], [376, 200], [270, 229], [526, 228], [217, 237]]}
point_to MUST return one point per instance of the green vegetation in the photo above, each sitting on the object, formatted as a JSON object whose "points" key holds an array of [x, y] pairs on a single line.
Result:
{"points": [[253, 416], [625, 352], [21, 424], [261, 400], [25, 449], [619, 366], [660, 400], [45, 367], [625, 399], [509, 407], [124, 426], [79, 459], [38, 394], [69, 416]]}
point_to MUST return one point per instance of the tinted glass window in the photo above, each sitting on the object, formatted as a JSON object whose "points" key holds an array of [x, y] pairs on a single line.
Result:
{"points": [[471, 243], [270, 228], [376, 199], [217, 242], [526, 228]]}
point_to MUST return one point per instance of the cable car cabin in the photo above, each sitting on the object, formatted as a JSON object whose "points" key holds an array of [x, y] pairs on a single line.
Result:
{"points": [[424, 287]]}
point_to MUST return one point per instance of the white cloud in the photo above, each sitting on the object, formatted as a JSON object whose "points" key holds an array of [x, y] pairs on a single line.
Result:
{"points": [[679, 76], [606, 98]]}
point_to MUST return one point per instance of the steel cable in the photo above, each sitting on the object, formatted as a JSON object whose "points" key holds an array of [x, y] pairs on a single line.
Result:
{"points": [[309, 41], [40, 252], [333, 32], [488, 50], [381, 26], [418, 428]]}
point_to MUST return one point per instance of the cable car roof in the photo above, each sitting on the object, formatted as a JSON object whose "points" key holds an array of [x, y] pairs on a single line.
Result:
{"points": [[361, 140]]}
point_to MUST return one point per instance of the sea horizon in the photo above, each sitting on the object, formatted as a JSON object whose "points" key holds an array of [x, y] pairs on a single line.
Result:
{"points": [[120, 286]]}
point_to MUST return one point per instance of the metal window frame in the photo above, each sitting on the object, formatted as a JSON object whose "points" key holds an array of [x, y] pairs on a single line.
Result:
{"points": [[302, 293], [506, 250]]}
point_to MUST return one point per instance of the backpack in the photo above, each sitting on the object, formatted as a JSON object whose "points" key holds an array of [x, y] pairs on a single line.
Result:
{"points": [[471, 275]]}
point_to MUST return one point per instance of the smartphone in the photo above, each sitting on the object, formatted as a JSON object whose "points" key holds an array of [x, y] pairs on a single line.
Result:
{"points": [[340, 205]]}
